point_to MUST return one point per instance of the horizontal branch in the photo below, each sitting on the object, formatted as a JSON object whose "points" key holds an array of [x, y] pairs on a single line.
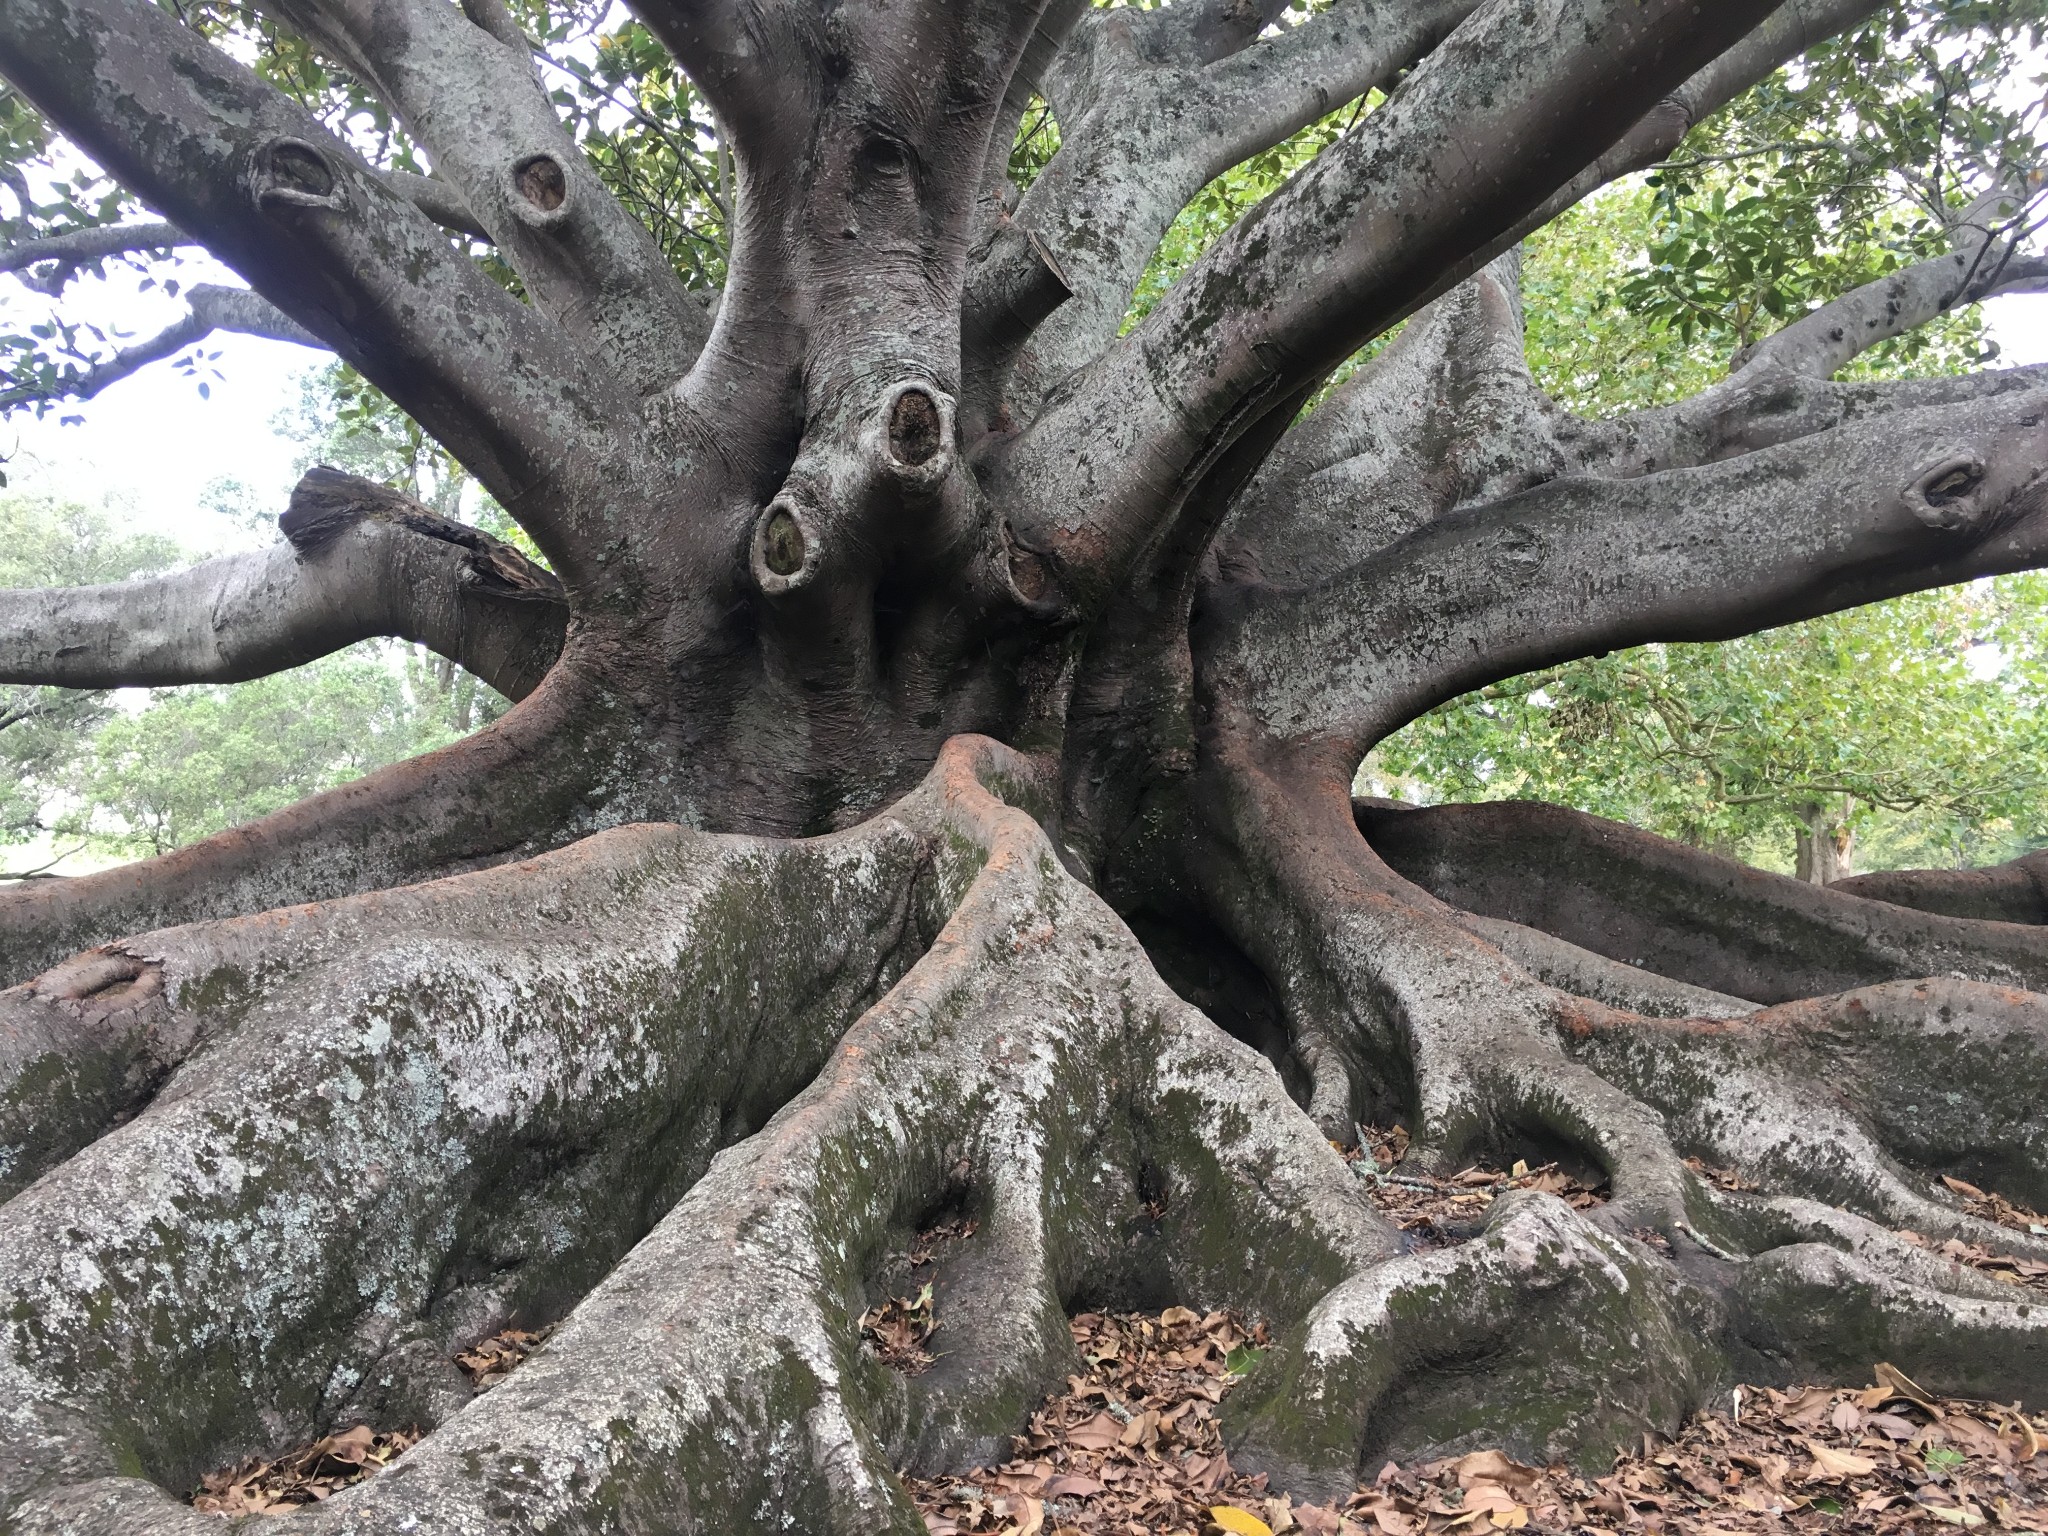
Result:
{"points": [[76, 248], [1892, 503], [66, 253], [209, 307], [359, 562], [1505, 111], [229, 159]]}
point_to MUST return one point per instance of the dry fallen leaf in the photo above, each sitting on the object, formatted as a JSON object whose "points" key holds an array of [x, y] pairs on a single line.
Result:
{"points": [[1829, 1462], [1240, 1521]]}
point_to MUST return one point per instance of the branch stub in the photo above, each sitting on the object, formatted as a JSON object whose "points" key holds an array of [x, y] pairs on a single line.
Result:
{"points": [[917, 436], [296, 173], [542, 187], [1944, 493], [785, 554]]}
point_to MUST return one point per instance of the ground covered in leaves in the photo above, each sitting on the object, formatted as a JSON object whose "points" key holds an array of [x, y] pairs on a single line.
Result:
{"points": [[1132, 1447], [304, 1476], [1436, 1212]]}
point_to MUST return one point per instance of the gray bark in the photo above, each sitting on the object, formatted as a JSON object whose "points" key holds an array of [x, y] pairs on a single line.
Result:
{"points": [[358, 562], [906, 635]]}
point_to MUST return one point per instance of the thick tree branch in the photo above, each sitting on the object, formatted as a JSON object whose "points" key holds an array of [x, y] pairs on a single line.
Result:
{"points": [[1894, 503], [209, 307], [1791, 30], [1446, 414], [359, 561], [64, 254], [1153, 105], [481, 112], [229, 159], [1504, 111]]}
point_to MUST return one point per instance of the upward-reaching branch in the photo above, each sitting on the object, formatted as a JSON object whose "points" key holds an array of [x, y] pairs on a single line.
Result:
{"points": [[1791, 30], [1155, 104], [1506, 110], [234, 163], [479, 110]]}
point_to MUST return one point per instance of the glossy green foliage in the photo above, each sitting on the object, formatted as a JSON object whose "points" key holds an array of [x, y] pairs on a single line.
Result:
{"points": [[1927, 715]]}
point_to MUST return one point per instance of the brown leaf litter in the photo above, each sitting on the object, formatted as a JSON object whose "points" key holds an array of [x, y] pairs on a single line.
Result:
{"points": [[305, 1476], [1439, 1211], [331, 1463], [1132, 1449], [899, 1329], [492, 1360], [1997, 1208]]}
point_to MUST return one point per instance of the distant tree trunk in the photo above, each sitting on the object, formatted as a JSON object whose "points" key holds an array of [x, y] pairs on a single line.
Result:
{"points": [[1827, 844]]}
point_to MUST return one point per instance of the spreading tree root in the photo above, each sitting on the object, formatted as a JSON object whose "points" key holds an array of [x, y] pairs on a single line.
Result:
{"points": [[1554, 1330], [264, 1268], [550, 770], [693, 1096], [1682, 912]]}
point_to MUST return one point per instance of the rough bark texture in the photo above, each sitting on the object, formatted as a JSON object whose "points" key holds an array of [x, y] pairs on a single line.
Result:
{"points": [[928, 790]]}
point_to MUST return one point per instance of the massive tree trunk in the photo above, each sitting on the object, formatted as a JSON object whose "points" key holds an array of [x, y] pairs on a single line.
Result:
{"points": [[916, 640]]}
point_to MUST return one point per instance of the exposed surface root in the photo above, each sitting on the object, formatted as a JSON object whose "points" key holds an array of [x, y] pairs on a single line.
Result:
{"points": [[545, 773], [1826, 1097], [1681, 912], [406, 1120], [578, 1087], [1029, 1070], [1854, 1100], [1545, 1334], [1434, 1212], [2013, 892]]}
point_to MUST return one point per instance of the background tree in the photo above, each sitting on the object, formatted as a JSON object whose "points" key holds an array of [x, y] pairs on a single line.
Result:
{"points": [[43, 731], [916, 623]]}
